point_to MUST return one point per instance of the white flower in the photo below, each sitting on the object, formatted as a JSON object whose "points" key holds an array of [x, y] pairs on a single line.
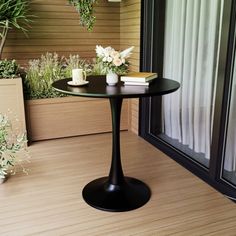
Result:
{"points": [[100, 51], [109, 49], [109, 59], [104, 59], [106, 54], [126, 53]]}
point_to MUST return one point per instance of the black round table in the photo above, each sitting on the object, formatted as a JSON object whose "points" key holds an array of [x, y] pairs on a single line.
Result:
{"points": [[116, 192]]}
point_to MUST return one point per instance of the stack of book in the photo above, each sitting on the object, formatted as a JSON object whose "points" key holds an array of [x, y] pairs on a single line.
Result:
{"points": [[139, 78]]}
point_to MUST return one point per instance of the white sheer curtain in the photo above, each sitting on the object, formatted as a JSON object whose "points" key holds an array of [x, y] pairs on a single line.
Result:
{"points": [[230, 150], [191, 57]]}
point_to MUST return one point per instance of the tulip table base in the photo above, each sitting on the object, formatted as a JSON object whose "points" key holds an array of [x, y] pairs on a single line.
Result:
{"points": [[116, 192], [129, 195]]}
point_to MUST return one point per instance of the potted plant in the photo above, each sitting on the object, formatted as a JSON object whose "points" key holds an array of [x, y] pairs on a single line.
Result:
{"points": [[13, 14], [41, 73], [85, 9], [13, 148], [112, 62], [11, 91], [50, 114]]}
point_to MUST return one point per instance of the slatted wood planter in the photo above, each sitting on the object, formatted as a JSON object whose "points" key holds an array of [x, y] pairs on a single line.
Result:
{"points": [[70, 116], [12, 102]]}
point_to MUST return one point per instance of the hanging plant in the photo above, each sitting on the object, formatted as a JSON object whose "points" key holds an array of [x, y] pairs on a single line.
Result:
{"points": [[85, 10]]}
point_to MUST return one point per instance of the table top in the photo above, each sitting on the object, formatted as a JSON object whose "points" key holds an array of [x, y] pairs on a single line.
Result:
{"points": [[98, 88]]}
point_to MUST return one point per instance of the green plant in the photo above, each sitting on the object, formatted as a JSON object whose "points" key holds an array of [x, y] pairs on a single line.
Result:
{"points": [[8, 69], [41, 73], [13, 148], [13, 13], [85, 9], [73, 62]]}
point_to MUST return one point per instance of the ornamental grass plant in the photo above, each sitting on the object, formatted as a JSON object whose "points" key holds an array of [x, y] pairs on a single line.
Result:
{"points": [[41, 73], [73, 62]]}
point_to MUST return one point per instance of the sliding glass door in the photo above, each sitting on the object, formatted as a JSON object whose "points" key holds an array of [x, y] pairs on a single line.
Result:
{"points": [[193, 42], [191, 56], [229, 163]]}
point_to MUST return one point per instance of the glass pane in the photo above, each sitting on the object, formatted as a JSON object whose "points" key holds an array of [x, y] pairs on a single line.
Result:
{"points": [[229, 171], [191, 56]]}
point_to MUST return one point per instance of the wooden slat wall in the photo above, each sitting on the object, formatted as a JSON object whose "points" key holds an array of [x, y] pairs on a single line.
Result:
{"points": [[56, 28], [130, 36]]}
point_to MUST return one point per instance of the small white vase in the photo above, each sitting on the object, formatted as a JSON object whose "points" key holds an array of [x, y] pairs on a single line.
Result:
{"points": [[111, 78]]}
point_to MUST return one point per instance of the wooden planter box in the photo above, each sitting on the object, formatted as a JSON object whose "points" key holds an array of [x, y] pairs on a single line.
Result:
{"points": [[12, 101], [70, 116]]}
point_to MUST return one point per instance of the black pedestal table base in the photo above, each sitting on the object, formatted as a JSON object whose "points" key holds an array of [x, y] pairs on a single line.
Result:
{"points": [[116, 192], [127, 196]]}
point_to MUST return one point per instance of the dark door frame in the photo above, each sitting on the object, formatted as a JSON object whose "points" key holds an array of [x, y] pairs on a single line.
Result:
{"points": [[153, 24]]}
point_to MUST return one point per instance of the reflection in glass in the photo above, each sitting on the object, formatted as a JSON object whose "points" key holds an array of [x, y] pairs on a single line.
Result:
{"points": [[229, 172]]}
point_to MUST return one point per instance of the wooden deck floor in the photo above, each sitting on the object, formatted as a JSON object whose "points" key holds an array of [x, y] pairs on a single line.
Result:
{"points": [[49, 201]]}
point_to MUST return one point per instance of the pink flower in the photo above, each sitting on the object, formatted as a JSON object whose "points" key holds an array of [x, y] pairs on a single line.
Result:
{"points": [[117, 61], [115, 54]]}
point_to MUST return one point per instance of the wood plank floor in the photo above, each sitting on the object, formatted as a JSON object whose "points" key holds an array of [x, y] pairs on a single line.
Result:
{"points": [[49, 201]]}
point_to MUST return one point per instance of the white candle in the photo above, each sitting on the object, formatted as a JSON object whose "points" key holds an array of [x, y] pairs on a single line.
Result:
{"points": [[77, 76]]}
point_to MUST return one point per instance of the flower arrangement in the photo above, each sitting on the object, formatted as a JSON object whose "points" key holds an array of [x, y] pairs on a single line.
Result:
{"points": [[13, 148], [111, 60]]}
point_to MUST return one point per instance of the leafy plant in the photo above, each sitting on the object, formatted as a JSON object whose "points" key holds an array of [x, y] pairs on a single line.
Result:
{"points": [[13, 13], [8, 69], [73, 62], [41, 73], [13, 148], [85, 9]]}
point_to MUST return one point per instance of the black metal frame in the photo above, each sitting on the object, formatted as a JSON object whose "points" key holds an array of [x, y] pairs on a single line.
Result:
{"points": [[153, 20]]}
